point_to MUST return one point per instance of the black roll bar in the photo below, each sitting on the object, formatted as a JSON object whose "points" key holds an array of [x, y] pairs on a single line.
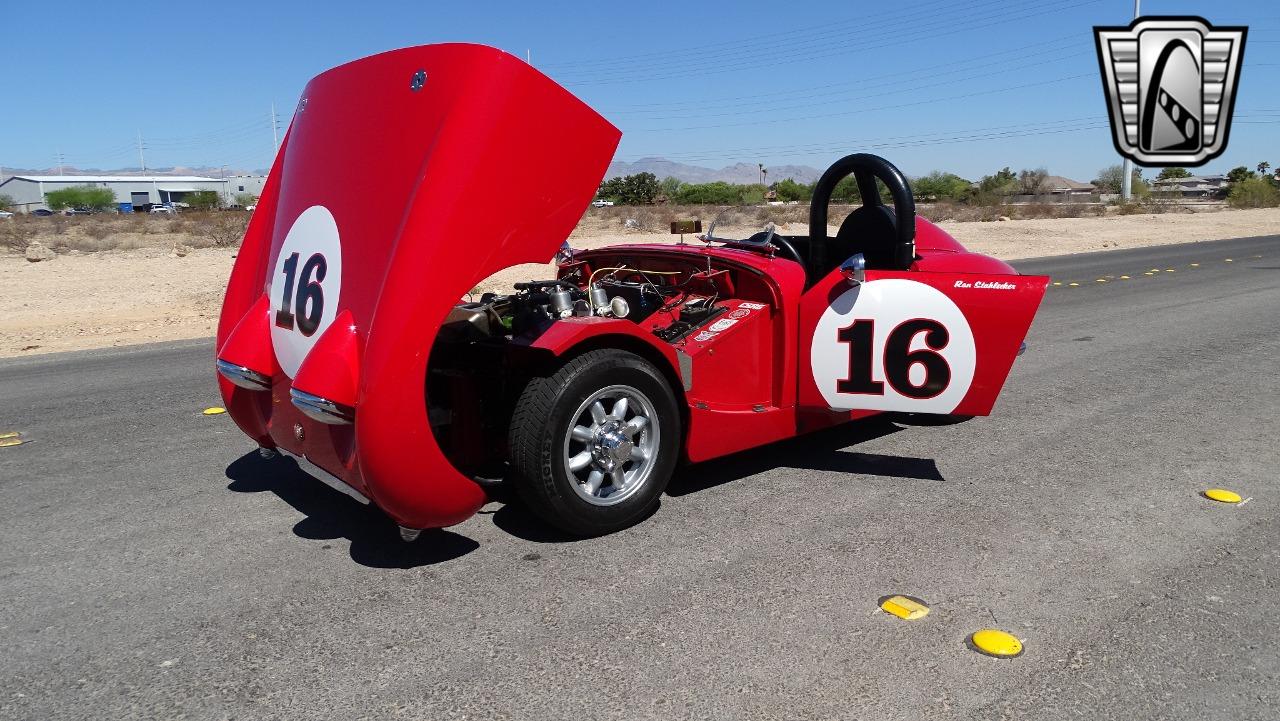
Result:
{"points": [[865, 167]]}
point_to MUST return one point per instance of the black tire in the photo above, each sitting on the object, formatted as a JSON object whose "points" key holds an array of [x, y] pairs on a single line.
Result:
{"points": [[549, 408]]}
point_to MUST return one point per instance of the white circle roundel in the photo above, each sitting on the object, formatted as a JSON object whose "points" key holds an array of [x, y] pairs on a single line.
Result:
{"points": [[893, 345], [304, 286]]}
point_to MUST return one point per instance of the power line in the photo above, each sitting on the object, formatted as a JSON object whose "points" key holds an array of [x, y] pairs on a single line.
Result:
{"points": [[917, 18], [885, 78], [897, 88], [737, 42], [860, 111], [946, 28]]}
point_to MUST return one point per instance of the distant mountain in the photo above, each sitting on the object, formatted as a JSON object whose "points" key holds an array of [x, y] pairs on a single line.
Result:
{"points": [[178, 170], [738, 173]]}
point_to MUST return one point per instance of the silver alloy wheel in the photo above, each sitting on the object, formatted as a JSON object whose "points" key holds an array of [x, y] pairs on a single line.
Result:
{"points": [[611, 445]]}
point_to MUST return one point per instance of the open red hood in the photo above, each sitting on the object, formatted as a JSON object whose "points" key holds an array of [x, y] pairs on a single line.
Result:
{"points": [[405, 179]]}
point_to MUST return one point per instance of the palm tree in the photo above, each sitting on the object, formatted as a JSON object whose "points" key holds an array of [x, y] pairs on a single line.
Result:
{"points": [[1263, 167]]}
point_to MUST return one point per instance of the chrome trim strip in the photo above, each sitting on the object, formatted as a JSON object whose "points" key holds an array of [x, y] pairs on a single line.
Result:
{"points": [[322, 409], [686, 369], [324, 476], [242, 377]]}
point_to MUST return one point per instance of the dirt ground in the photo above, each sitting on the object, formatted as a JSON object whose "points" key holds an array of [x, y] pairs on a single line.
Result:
{"points": [[122, 297]]}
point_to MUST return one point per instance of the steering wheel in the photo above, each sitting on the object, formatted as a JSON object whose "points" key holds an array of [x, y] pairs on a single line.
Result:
{"points": [[769, 238]]}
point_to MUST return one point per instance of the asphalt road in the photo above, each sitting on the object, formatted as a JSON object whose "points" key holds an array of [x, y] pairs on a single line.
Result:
{"points": [[152, 566]]}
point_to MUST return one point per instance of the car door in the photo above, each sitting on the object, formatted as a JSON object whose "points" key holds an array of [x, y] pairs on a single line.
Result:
{"points": [[912, 341]]}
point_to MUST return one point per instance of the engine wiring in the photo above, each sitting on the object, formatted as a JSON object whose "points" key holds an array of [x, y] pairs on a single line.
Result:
{"points": [[591, 281]]}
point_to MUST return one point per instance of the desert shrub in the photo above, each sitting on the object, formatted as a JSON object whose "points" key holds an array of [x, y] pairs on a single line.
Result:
{"points": [[82, 196], [1253, 193], [17, 233], [224, 229], [203, 200], [97, 229]]}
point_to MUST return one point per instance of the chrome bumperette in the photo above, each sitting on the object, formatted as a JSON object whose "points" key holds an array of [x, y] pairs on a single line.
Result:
{"points": [[1022, 348], [322, 409], [325, 477], [242, 377]]}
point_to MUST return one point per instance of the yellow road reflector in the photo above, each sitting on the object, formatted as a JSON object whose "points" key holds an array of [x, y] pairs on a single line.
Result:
{"points": [[906, 608], [1229, 260], [1124, 277], [215, 410], [1148, 273], [1057, 282], [996, 643], [1170, 270], [1102, 280], [1155, 270], [1073, 284], [12, 441], [1195, 265], [1222, 495], [9, 434]]}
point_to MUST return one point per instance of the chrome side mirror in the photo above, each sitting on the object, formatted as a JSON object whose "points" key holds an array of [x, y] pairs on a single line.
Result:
{"points": [[564, 255], [854, 269]]}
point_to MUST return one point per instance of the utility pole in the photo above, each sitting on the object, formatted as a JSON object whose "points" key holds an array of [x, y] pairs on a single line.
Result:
{"points": [[142, 159], [1126, 183], [275, 131], [528, 56], [61, 160]]}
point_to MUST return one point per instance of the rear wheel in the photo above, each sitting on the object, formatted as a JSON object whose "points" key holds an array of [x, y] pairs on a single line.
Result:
{"points": [[594, 444]]}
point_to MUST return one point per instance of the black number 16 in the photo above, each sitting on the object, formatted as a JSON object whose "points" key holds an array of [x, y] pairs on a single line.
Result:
{"points": [[296, 308], [898, 359]]}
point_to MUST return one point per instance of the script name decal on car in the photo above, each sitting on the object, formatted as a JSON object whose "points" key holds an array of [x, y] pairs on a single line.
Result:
{"points": [[1000, 285], [304, 286], [893, 345]]}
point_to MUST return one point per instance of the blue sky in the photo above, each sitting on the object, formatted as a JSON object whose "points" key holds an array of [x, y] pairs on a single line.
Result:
{"points": [[931, 84]]}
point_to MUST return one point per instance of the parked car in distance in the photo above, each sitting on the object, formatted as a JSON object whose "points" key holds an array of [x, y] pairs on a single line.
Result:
{"points": [[602, 203], [42, 212], [161, 209], [5, 214], [77, 211]]}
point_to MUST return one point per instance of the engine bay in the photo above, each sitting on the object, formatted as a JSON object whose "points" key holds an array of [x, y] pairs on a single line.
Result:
{"points": [[712, 309], [671, 297]]}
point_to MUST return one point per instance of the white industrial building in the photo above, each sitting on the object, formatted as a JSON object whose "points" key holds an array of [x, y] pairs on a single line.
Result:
{"points": [[131, 191]]}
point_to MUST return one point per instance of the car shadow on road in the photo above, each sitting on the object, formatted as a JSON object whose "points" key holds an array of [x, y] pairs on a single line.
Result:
{"points": [[823, 450], [331, 515]]}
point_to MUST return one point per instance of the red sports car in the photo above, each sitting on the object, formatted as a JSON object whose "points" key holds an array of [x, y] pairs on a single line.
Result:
{"points": [[343, 344]]}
